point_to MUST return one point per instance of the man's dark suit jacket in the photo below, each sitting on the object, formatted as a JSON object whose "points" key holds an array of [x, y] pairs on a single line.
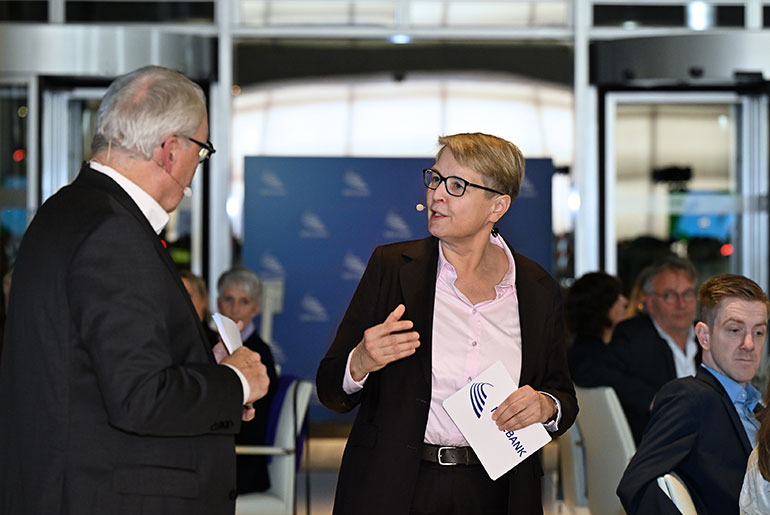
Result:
{"points": [[382, 456], [695, 432], [111, 401], [646, 362]]}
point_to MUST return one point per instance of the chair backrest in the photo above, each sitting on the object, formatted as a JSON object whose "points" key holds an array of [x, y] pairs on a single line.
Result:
{"points": [[673, 486], [572, 467], [283, 469], [292, 398], [608, 445]]}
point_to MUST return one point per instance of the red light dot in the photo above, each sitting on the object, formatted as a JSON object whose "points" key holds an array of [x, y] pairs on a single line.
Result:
{"points": [[726, 249], [18, 155]]}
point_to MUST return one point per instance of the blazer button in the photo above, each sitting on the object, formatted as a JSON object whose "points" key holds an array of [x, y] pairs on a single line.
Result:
{"points": [[233, 494]]}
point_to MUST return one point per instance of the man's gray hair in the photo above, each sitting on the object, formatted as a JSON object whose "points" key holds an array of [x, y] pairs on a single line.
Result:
{"points": [[244, 279], [671, 263], [143, 108]]}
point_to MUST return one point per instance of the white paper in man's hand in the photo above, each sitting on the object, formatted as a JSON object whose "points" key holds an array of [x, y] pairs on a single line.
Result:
{"points": [[228, 331], [471, 409]]}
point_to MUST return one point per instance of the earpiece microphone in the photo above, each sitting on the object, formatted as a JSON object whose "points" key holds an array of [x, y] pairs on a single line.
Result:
{"points": [[419, 207], [186, 190]]}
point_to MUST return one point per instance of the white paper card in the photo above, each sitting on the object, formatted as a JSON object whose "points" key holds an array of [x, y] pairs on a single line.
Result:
{"points": [[228, 331], [471, 409]]}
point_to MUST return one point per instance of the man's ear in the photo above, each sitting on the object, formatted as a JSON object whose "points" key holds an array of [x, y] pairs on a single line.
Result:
{"points": [[703, 333]]}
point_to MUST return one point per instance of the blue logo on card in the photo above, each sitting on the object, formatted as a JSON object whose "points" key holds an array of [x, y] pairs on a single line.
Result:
{"points": [[479, 397]]}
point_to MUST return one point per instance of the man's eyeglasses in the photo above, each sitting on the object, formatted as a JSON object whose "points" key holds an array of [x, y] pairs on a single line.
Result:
{"points": [[206, 149], [455, 186], [672, 297]]}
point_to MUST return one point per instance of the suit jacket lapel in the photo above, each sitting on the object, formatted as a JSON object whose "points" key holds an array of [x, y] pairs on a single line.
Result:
{"points": [[530, 311], [705, 376], [417, 278]]}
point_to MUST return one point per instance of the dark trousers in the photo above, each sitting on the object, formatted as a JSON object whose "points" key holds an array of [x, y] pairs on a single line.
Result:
{"points": [[458, 490]]}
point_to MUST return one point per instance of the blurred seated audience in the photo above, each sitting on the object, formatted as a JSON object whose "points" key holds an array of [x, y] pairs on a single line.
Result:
{"points": [[239, 298], [199, 295], [637, 297], [659, 345], [594, 305], [703, 428]]}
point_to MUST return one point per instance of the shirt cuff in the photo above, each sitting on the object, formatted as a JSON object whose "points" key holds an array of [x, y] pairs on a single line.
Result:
{"points": [[350, 385], [244, 383], [553, 425]]}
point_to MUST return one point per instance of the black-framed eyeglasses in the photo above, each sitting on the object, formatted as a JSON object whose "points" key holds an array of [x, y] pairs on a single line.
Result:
{"points": [[672, 297], [455, 186], [206, 149]]}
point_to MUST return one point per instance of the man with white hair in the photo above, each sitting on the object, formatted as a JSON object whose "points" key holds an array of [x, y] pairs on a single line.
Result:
{"points": [[112, 400]]}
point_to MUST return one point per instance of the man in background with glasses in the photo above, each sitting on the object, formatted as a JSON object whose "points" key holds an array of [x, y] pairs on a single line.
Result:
{"points": [[658, 345], [112, 401]]}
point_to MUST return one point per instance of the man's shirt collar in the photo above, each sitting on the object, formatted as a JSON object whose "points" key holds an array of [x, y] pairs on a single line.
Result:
{"points": [[152, 211], [738, 394]]}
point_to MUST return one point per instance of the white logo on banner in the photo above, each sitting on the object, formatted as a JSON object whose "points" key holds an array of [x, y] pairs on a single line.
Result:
{"points": [[271, 186], [312, 226], [527, 189], [271, 267], [396, 227], [312, 310], [354, 185], [352, 267]]}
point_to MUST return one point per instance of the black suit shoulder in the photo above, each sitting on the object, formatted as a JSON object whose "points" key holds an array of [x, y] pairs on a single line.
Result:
{"points": [[695, 432]]}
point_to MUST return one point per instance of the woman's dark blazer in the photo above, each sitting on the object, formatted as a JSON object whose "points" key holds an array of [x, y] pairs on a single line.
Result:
{"points": [[382, 456]]}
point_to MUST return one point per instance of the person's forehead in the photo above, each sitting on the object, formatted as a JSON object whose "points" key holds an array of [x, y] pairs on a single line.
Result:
{"points": [[234, 290], [669, 276], [742, 310]]}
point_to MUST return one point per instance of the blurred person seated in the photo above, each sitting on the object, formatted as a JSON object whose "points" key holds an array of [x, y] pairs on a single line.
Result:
{"points": [[239, 298], [637, 297], [755, 494], [199, 295], [594, 305], [703, 428], [655, 347]]}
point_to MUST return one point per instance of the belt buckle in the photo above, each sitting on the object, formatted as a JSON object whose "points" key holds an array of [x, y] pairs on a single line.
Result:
{"points": [[444, 463]]}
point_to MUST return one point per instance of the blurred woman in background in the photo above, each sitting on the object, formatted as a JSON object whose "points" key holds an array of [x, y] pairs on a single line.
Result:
{"points": [[594, 306]]}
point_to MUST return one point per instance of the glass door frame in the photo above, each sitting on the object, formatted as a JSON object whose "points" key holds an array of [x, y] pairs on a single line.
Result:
{"points": [[752, 147]]}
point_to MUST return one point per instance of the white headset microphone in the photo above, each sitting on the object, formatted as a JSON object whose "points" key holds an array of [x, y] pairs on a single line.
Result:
{"points": [[419, 207], [186, 190]]}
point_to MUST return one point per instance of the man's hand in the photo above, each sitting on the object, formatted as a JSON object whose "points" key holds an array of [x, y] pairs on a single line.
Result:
{"points": [[250, 365], [381, 346], [523, 408]]}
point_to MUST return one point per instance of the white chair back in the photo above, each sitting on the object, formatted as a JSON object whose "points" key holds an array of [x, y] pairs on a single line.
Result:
{"points": [[673, 486], [279, 499], [572, 467], [609, 446]]}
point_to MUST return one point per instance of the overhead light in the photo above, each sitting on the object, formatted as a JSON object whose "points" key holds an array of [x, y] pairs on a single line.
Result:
{"points": [[400, 39], [700, 15]]}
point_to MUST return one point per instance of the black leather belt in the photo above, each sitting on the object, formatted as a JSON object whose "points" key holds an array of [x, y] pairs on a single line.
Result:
{"points": [[444, 455]]}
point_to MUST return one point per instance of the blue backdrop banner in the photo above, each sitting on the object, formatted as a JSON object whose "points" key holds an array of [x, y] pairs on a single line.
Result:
{"points": [[312, 223]]}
